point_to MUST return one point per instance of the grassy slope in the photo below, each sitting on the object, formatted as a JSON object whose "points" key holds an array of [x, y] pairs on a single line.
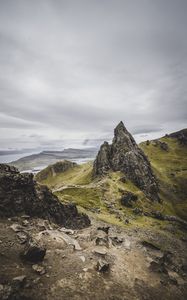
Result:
{"points": [[80, 175], [78, 186], [171, 170]]}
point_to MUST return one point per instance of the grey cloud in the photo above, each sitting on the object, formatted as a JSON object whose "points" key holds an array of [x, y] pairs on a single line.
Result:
{"points": [[75, 68]]}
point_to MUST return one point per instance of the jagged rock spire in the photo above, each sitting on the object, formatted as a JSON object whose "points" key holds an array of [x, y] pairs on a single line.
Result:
{"points": [[124, 155]]}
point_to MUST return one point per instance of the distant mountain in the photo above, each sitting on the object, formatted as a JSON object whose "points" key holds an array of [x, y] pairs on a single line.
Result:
{"points": [[40, 160]]}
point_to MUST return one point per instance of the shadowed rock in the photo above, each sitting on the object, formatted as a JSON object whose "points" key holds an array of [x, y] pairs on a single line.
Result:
{"points": [[33, 252], [124, 155], [20, 194], [128, 199]]}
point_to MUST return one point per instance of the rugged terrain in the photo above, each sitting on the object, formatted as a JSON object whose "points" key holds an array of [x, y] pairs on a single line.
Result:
{"points": [[126, 243], [98, 262], [104, 194]]}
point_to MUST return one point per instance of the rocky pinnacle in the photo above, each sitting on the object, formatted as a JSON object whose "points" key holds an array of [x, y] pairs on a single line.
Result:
{"points": [[124, 155]]}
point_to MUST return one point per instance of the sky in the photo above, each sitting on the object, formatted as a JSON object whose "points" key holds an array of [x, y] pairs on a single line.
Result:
{"points": [[70, 70]]}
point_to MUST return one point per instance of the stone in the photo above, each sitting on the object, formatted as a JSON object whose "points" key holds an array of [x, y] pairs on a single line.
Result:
{"points": [[22, 236], [16, 227], [85, 269], [164, 146], [150, 245], [39, 269], [19, 281], [101, 252], [25, 217], [21, 195], [126, 221], [82, 258], [66, 230], [173, 276], [158, 267], [25, 223], [184, 268], [162, 263], [128, 199], [147, 142], [33, 252], [102, 241], [104, 228], [127, 244], [124, 155], [116, 240], [71, 241], [103, 266], [137, 211], [123, 179]]}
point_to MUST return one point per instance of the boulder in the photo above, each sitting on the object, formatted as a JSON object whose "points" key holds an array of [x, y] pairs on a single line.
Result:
{"points": [[128, 199], [39, 269], [33, 252], [19, 281], [103, 266], [124, 155], [138, 211]]}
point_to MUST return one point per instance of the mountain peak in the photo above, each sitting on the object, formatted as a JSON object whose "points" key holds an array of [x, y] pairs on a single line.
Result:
{"points": [[120, 128], [124, 155]]}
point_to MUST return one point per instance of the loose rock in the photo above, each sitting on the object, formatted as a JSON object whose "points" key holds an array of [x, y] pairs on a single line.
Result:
{"points": [[33, 252], [103, 266], [39, 269]]}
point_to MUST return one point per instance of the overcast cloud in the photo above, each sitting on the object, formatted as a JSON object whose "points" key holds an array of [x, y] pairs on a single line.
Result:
{"points": [[73, 69]]}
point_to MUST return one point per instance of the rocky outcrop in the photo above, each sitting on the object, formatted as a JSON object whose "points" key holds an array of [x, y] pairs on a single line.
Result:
{"points": [[53, 170], [124, 155], [163, 145], [128, 199], [181, 136], [20, 194]]}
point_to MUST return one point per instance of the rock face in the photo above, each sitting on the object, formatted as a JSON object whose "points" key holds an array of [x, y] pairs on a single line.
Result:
{"points": [[20, 194], [181, 136], [124, 155]]}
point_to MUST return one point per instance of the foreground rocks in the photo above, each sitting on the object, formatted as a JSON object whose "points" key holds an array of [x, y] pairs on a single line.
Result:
{"points": [[33, 252], [20, 194], [124, 155], [123, 266]]}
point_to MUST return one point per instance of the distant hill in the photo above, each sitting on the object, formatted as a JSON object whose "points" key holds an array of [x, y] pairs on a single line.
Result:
{"points": [[41, 160]]}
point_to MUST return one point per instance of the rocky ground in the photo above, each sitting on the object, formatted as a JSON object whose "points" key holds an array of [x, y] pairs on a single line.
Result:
{"points": [[41, 260]]}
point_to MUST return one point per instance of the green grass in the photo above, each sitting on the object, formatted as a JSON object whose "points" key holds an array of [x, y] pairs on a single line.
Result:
{"points": [[85, 197], [79, 175], [171, 170]]}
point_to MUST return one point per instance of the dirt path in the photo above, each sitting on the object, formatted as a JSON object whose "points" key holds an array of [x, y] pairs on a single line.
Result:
{"points": [[74, 260]]}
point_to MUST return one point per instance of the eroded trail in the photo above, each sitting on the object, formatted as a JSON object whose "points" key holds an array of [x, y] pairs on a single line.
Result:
{"points": [[98, 262]]}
